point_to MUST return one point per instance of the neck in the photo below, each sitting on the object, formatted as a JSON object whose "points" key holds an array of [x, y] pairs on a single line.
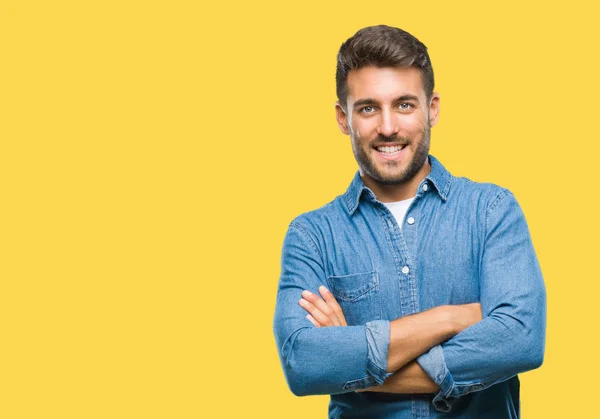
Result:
{"points": [[399, 191]]}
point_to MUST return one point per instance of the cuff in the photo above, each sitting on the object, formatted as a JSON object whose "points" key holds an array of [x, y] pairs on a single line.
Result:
{"points": [[435, 366], [378, 342]]}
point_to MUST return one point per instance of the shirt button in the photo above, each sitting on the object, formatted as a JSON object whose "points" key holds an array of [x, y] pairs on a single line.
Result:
{"points": [[425, 187], [405, 270], [410, 220]]}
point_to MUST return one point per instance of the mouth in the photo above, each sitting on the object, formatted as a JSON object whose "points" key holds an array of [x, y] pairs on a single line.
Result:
{"points": [[390, 152]]}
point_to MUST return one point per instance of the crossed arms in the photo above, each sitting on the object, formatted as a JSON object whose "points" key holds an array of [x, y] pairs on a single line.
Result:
{"points": [[433, 351], [410, 336]]}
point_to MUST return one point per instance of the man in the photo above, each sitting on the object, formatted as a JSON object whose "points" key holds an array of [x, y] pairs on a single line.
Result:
{"points": [[416, 294]]}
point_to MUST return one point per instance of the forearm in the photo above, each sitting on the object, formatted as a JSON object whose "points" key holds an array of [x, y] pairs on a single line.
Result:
{"points": [[411, 336], [414, 335], [409, 379]]}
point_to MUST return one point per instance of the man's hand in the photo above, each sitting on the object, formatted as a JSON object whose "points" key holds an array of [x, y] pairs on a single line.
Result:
{"points": [[322, 312]]}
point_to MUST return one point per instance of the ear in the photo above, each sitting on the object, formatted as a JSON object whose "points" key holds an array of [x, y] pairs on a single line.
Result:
{"points": [[434, 109], [341, 117]]}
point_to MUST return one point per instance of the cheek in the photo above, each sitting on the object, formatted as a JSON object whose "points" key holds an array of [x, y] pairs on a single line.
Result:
{"points": [[365, 129], [412, 126]]}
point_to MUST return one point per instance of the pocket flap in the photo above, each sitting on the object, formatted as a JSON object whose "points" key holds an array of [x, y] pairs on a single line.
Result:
{"points": [[350, 287]]}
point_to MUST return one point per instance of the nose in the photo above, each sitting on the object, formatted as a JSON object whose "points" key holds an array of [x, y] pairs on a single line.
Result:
{"points": [[388, 125]]}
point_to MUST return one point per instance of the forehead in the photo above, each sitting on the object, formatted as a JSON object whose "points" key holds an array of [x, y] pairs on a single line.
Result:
{"points": [[384, 84]]}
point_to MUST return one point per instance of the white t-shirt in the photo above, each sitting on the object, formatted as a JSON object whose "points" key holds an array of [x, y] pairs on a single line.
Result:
{"points": [[399, 209]]}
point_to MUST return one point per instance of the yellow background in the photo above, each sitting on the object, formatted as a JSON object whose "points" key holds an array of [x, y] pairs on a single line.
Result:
{"points": [[153, 153]]}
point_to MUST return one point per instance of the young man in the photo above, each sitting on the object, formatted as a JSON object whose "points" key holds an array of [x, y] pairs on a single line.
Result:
{"points": [[429, 282]]}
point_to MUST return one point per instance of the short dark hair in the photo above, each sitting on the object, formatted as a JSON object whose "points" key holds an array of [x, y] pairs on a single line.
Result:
{"points": [[382, 46]]}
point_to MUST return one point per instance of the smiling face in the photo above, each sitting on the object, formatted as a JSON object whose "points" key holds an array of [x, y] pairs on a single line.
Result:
{"points": [[388, 118]]}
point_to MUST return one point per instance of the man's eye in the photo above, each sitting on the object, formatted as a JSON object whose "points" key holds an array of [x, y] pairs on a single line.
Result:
{"points": [[405, 106], [367, 109]]}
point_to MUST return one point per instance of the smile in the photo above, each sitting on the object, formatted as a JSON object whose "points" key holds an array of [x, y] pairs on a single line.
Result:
{"points": [[390, 152]]}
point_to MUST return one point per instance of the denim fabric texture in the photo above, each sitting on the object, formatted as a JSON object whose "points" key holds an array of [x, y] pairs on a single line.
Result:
{"points": [[469, 243]]}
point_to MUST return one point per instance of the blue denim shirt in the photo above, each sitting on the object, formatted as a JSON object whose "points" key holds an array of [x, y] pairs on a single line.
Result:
{"points": [[469, 242]]}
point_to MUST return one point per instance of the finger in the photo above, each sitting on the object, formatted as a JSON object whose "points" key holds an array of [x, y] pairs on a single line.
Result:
{"points": [[315, 312], [332, 302], [312, 320], [322, 306]]}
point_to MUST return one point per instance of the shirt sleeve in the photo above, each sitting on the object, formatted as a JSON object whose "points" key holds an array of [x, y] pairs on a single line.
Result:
{"points": [[511, 337], [322, 360]]}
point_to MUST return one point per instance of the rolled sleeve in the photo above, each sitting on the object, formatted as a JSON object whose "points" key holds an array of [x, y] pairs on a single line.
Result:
{"points": [[378, 342], [434, 365]]}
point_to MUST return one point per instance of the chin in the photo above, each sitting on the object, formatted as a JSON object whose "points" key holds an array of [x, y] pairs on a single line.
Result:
{"points": [[391, 180]]}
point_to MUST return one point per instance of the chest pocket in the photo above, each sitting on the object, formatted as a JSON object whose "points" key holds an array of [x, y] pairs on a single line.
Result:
{"points": [[358, 295]]}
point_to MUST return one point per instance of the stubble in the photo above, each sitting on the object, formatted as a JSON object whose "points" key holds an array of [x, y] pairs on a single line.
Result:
{"points": [[392, 176]]}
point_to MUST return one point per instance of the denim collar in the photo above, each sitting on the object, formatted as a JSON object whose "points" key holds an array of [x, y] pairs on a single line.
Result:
{"points": [[438, 176]]}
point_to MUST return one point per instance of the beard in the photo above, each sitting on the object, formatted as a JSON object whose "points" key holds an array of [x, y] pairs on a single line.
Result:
{"points": [[394, 176]]}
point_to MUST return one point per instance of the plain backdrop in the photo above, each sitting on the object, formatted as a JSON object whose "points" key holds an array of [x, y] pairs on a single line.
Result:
{"points": [[153, 153]]}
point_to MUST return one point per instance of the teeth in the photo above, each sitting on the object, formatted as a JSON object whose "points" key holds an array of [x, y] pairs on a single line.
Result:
{"points": [[390, 150]]}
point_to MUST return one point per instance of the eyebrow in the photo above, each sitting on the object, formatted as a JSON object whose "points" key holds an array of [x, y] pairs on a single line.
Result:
{"points": [[369, 101]]}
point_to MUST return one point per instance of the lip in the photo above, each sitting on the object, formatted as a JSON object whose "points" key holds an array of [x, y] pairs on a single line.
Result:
{"points": [[389, 145], [394, 156]]}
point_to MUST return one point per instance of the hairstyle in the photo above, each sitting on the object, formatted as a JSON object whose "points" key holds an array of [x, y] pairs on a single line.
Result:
{"points": [[382, 46]]}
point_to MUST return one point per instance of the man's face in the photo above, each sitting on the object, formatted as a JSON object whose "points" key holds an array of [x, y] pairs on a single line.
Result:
{"points": [[388, 118]]}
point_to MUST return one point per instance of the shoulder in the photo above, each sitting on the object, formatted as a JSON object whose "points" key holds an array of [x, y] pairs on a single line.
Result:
{"points": [[312, 228], [486, 196], [329, 214]]}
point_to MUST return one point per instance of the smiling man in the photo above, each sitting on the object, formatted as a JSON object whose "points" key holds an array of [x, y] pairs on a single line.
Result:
{"points": [[415, 294]]}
